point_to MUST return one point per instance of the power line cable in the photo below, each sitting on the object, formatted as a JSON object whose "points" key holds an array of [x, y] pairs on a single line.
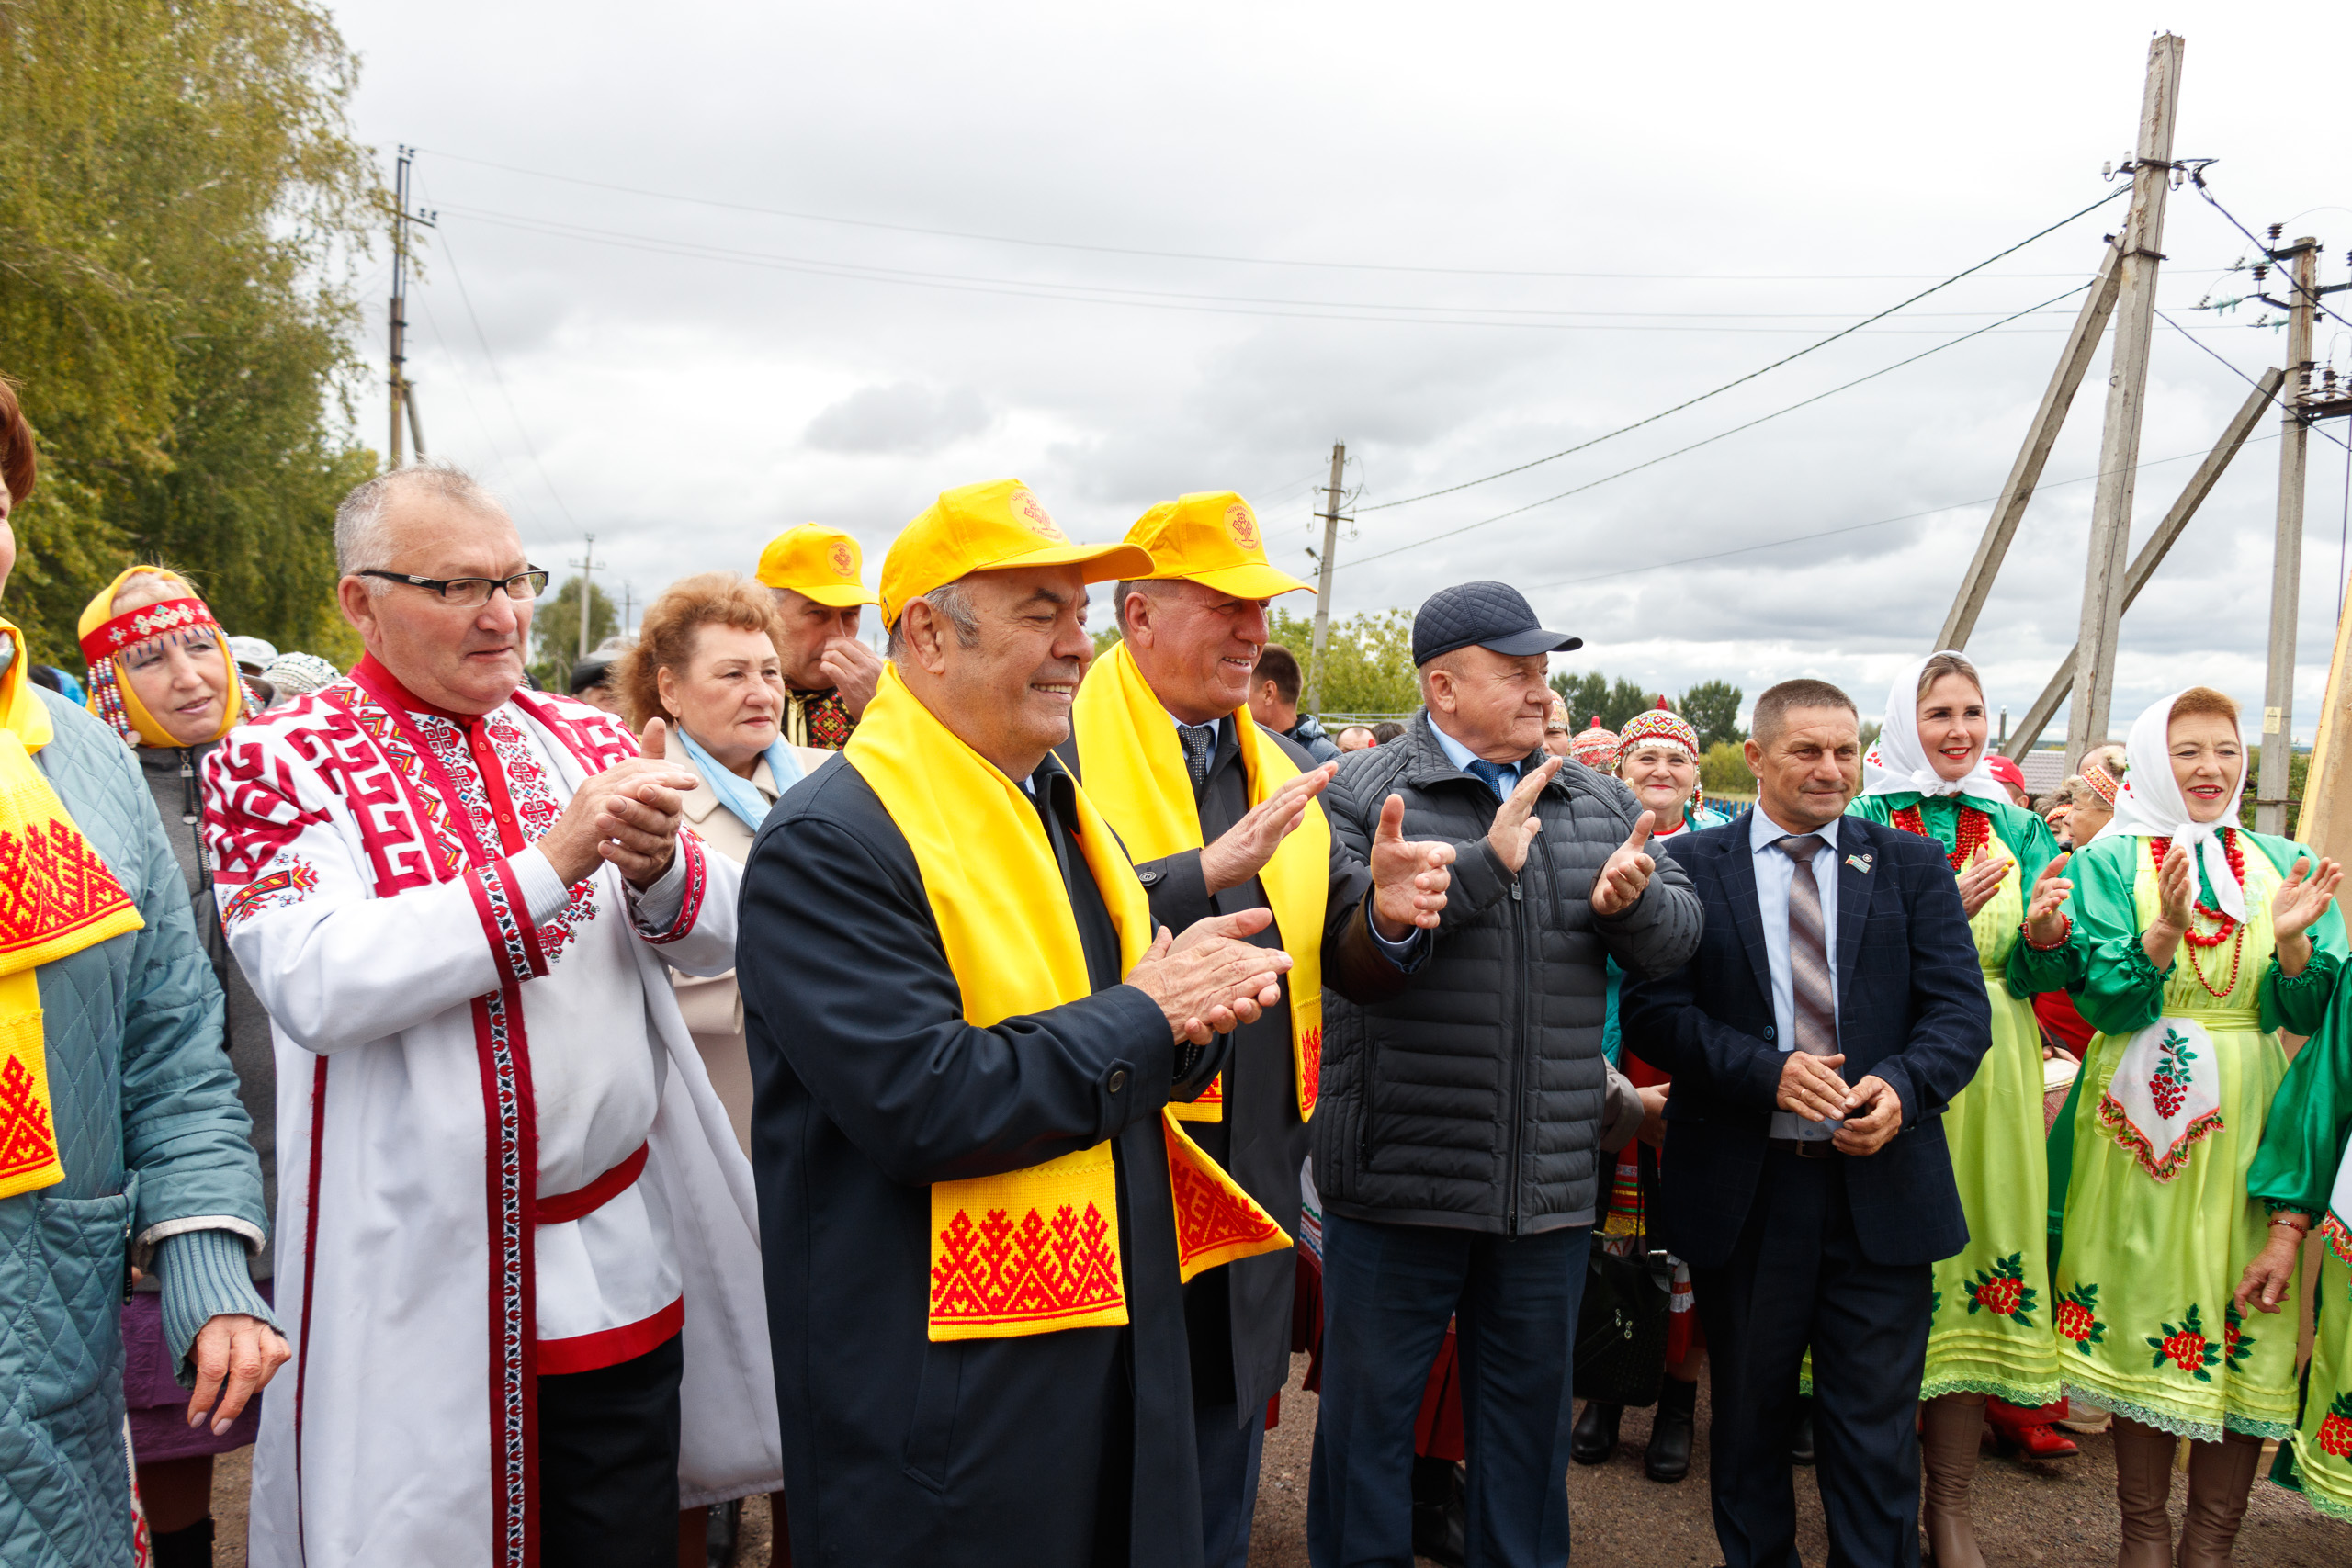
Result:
{"points": [[2242, 376], [1170, 299], [1854, 527], [2197, 177], [1033, 242], [500, 376], [1785, 359], [1710, 441]]}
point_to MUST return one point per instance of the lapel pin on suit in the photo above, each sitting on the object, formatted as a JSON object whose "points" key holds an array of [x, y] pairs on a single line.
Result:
{"points": [[1860, 862]]}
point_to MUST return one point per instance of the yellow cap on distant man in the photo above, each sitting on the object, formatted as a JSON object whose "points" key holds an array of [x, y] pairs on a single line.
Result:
{"points": [[1211, 538], [820, 563], [990, 527]]}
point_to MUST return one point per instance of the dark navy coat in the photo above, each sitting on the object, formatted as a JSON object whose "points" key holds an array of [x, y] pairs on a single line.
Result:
{"points": [[1051, 1450], [1911, 1008]]}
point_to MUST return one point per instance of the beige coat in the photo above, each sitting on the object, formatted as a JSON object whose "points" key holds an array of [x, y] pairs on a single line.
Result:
{"points": [[714, 1007]]}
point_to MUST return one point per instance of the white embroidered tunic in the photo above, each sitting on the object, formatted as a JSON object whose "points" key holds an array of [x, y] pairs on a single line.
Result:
{"points": [[509, 1164]]}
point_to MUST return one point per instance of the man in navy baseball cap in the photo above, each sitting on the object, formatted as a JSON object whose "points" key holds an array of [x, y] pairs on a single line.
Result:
{"points": [[1488, 615], [1464, 1126]]}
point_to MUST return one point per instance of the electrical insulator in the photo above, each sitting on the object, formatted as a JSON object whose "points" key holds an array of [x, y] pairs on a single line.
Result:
{"points": [[2261, 271], [2276, 229]]}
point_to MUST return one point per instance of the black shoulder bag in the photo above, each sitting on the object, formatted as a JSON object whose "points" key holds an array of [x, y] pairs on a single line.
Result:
{"points": [[1621, 1329]]}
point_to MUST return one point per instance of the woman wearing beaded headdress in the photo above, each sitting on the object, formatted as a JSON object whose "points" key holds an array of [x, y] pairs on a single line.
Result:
{"points": [[1656, 757], [161, 678], [1989, 1330], [2201, 942]]}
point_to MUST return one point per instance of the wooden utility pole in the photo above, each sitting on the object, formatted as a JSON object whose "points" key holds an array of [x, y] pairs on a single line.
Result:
{"points": [[2272, 785], [587, 564], [1323, 564], [2141, 244], [2143, 566], [403, 396], [2090, 325]]}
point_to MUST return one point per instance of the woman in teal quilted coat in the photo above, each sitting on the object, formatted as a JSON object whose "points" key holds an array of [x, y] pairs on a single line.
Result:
{"points": [[121, 1139]]}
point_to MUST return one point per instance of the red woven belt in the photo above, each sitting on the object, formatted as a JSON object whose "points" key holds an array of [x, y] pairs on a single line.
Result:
{"points": [[566, 1207]]}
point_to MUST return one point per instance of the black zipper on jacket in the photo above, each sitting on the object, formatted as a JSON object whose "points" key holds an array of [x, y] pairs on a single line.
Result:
{"points": [[1518, 1047]]}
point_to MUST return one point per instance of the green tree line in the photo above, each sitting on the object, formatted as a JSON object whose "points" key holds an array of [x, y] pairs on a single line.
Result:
{"points": [[181, 200]]}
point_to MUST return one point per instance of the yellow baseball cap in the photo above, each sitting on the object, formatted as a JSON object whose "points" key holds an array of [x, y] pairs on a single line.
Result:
{"points": [[990, 527], [822, 563], [1211, 538]]}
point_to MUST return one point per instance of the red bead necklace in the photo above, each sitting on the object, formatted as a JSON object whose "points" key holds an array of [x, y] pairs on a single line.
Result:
{"points": [[1974, 831], [2225, 929]]}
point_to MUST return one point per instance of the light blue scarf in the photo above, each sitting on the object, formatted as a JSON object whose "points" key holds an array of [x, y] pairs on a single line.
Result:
{"points": [[736, 793]]}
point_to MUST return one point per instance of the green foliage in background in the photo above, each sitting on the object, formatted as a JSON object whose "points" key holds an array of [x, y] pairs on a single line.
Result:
{"points": [[1724, 770], [1712, 708], [180, 199], [2299, 769], [554, 630], [1616, 700], [1369, 657]]}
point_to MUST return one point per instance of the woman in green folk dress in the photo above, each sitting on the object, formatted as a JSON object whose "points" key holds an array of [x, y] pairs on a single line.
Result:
{"points": [[1989, 1332], [2304, 1174], [2201, 940]]}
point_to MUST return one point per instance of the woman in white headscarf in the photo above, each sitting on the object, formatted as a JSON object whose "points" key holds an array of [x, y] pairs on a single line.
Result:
{"points": [[2201, 942], [1988, 1329]]}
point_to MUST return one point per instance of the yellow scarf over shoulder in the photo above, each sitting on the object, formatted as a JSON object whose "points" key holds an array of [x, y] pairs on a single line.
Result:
{"points": [[1133, 768], [1030, 1251], [56, 898]]}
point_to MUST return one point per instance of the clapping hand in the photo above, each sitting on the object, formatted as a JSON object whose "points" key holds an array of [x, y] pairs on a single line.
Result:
{"points": [[1409, 880], [2043, 922], [2303, 897], [1516, 824], [1980, 881], [1210, 979], [628, 815], [1243, 850], [1619, 886], [2175, 889]]}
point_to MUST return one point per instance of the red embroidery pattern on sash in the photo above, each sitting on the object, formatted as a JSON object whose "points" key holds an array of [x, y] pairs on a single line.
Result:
{"points": [[999, 1271], [1310, 1070], [1207, 1216], [27, 1140], [51, 882]]}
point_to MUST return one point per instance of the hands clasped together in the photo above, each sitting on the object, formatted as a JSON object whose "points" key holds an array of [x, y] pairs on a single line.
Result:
{"points": [[628, 815], [1211, 979]]}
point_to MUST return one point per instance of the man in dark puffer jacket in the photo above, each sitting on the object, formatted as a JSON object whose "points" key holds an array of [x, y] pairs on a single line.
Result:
{"points": [[1459, 1139]]}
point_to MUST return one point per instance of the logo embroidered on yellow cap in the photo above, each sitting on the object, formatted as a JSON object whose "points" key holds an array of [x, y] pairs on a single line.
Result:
{"points": [[1244, 525], [845, 561], [1033, 511]]}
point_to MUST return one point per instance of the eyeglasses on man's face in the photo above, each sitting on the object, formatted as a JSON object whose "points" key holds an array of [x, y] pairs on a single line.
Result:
{"points": [[471, 593]]}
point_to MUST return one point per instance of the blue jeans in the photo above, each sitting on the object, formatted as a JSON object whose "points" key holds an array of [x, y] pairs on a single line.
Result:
{"points": [[1387, 1292]]}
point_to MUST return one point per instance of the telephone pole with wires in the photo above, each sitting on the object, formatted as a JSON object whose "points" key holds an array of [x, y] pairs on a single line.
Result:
{"points": [[402, 393], [1323, 564], [2275, 780], [587, 565], [2141, 248]]}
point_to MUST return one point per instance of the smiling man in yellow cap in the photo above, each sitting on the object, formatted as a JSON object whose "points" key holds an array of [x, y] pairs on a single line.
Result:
{"points": [[1220, 814], [829, 675], [976, 1216]]}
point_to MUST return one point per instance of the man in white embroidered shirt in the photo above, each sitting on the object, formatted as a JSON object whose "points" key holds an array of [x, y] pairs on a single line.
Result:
{"points": [[515, 1219]]}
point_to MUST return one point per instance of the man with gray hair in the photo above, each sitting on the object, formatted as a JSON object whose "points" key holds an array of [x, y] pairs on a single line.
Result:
{"points": [[457, 898]]}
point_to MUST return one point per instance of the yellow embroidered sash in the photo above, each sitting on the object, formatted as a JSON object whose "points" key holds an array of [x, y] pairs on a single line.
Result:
{"points": [[56, 898], [1133, 768], [1037, 1250]]}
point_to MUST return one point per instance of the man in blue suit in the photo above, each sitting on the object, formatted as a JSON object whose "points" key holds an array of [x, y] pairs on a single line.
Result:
{"points": [[1833, 1009]]}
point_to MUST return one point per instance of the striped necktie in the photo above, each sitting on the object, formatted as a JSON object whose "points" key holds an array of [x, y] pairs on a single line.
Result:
{"points": [[1815, 995]]}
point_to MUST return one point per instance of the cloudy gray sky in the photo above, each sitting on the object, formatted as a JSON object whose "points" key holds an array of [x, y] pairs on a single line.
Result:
{"points": [[1128, 251]]}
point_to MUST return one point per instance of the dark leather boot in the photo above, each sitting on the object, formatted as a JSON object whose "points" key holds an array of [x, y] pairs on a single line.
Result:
{"points": [[2219, 1476], [1441, 1512], [1594, 1436], [2142, 1488], [1671, 1433], [1951, 1429], [723, 1537]]}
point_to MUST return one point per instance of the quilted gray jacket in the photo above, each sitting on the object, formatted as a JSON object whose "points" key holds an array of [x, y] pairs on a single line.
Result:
{"points": [[1479, 1098], [153, 1143]]}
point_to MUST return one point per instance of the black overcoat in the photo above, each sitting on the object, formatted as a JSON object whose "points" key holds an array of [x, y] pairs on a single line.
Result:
{"points": [[1052, 1450], [1239, 1315]]}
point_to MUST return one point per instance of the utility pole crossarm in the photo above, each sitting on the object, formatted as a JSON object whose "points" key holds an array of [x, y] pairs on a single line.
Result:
{"points": [[2009, 508]]}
